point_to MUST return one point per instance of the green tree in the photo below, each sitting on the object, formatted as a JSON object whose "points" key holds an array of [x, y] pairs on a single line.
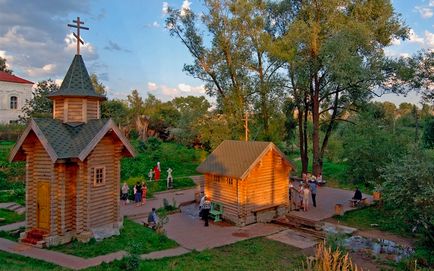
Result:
{"points": [[428, 133], [369, 145], [213, 128], [334, 55], [40, 106], [97, 85], [3, 66], [117, 110], [408, 191]]}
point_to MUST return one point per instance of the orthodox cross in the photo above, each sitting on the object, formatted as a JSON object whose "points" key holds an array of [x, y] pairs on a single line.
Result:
{"points": [[77, 36]]}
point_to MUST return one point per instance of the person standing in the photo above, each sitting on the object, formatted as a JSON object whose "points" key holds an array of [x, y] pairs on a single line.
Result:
{"points": [[150, 174], [306, 194], [313, 189], [144, 191], [153, 219], [156, 173], [125, 189], [205, 210], [138, 195]]}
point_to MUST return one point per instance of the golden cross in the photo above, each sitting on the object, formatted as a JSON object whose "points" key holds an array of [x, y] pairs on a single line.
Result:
{"points": [[77, 36]]}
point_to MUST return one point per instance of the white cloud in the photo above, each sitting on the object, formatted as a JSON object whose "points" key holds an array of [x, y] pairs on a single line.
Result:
{"points": [[425, 12], [429, 40], [414, 38], [86, 48], [396, 41], [43, 71], [165, 8], [185, 7], [165, 92], [9, 58], [152, 86]]}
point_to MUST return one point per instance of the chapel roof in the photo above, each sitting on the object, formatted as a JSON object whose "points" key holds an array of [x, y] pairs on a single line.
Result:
{"points": [[70, 140], [236, 158], [6, 77], [77, 82]]}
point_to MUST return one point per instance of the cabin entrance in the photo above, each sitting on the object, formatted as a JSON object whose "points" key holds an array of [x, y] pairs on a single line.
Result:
{"points": [[43, 205]]}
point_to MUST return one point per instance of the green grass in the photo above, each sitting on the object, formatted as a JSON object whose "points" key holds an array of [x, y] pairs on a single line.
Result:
{"points": [[253, 254], [10, 216], [182, 160], [364, 217], [134, 238], [9, 261]]}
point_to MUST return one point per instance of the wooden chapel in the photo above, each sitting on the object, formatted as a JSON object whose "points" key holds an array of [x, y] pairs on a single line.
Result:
{"points": [[72, 165]]}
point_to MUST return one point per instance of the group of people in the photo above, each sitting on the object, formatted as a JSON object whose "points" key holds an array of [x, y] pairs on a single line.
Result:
{"points": [[139, 189], [308, 187], [155, 172]]}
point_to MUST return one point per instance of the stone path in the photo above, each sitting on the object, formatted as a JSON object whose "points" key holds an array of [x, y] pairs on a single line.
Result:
{"points": [[12, 206], [326, 199], [13, 226], [294, 238]]}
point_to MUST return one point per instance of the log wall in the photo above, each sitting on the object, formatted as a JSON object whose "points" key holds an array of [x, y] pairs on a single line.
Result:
{"points": [[58, 108], [267, 184], [75, 110], [103, 205], [92, 109]]}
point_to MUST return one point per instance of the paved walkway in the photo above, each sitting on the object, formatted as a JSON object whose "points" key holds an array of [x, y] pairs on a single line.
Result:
{"points": [[326, 199], [12, 206], [13, 226]]}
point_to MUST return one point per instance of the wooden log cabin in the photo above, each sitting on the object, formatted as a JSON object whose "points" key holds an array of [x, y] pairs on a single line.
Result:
{"points": [[72, 166], [249, 178]]}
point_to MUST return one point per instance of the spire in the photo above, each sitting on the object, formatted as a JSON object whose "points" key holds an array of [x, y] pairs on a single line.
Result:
{"points": [[77, 82]]}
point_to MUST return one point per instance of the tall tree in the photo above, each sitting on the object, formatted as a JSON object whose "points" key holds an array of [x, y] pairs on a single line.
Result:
{"points": [[97, 85], [334, 51], [3, 66], [40, 106]]}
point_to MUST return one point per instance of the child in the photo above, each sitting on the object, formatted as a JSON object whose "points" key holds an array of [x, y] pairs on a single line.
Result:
{"points": [[144, 191], [306, 195], [125, 190]]}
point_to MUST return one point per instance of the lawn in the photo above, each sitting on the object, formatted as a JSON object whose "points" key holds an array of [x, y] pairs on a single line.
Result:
{"points": [[13, 262], [12, 176], [10, 216], [253, 254], [134, 238], [364, 217]]}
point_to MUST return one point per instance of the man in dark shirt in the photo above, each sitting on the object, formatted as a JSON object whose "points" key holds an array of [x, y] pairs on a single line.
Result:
{"points": [[357, 194]]}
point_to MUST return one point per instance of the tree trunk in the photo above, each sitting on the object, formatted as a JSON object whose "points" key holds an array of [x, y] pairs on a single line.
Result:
{"points": [[316, 166], [302, 141]]}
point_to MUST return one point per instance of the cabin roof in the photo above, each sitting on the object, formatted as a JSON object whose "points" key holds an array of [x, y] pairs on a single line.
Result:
{"points": [[77, 82], [236, 158], [66, 140]]}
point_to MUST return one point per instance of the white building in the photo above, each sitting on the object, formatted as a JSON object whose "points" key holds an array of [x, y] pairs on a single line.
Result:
{"points": [[14, 91]]}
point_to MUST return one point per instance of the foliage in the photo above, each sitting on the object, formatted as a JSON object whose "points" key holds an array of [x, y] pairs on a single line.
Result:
{"points": [[40, 106], [428, 134], [117, 110], [182, 160], [12, 176], [327, 259], [97, 85], [10, 217], [10, 132], [213, 129], [370, 145], [409, 184], [134, 238], [3, 66]]}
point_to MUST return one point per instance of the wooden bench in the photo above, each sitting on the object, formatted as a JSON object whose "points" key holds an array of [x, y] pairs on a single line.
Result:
{"points": [[357, 203], [216, 211]]}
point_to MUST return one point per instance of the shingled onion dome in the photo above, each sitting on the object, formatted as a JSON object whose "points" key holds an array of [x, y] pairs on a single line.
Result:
{"points": [[76, 101]]}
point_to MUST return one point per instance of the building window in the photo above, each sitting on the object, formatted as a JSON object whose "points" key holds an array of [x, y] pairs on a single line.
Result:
{"points": [[99, 176], [216, 178], [14, 102], [230, 181]]}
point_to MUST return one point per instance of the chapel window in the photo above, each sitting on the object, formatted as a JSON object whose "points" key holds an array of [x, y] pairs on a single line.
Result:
{"points": [[14, 102]]}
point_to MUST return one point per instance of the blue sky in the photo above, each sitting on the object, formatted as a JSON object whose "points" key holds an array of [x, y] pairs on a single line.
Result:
{"points": [[128, 47]]}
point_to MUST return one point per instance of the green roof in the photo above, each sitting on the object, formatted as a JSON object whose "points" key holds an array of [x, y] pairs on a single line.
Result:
{"points": [[235, 158], [67, 140], [77, 82]]}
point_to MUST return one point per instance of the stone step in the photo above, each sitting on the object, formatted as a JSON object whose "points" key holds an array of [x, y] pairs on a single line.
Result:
{"points": [[14, 207], [21, 210]]}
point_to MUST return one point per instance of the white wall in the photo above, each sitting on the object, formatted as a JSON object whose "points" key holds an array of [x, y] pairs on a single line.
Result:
{"points": [[8, 89]]}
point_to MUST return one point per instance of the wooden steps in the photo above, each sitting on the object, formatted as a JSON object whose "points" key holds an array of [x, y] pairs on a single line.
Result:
{"points": [[35, 237], [302, 224]]}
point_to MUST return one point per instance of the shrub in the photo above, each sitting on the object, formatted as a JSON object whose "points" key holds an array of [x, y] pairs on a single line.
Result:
{"points": [[328, 260]]}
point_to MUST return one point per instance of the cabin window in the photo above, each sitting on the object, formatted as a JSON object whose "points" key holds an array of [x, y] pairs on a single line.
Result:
{"points": [[14, 102], [229, 181], [99, 176], [216, 178]]}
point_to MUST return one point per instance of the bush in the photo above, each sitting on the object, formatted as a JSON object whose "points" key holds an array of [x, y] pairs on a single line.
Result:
{"points": [[11, 132], [328, 260]]}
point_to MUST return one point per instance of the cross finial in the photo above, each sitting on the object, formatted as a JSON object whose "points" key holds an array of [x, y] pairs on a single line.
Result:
{"points": [[77, 36]]}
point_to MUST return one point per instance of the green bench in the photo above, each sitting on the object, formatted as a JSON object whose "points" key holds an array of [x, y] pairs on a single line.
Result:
{"points": [[216, 211]]}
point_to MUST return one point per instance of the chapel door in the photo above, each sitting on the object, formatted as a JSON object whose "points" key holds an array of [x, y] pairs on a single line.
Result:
{"points": [[43, 206]]}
